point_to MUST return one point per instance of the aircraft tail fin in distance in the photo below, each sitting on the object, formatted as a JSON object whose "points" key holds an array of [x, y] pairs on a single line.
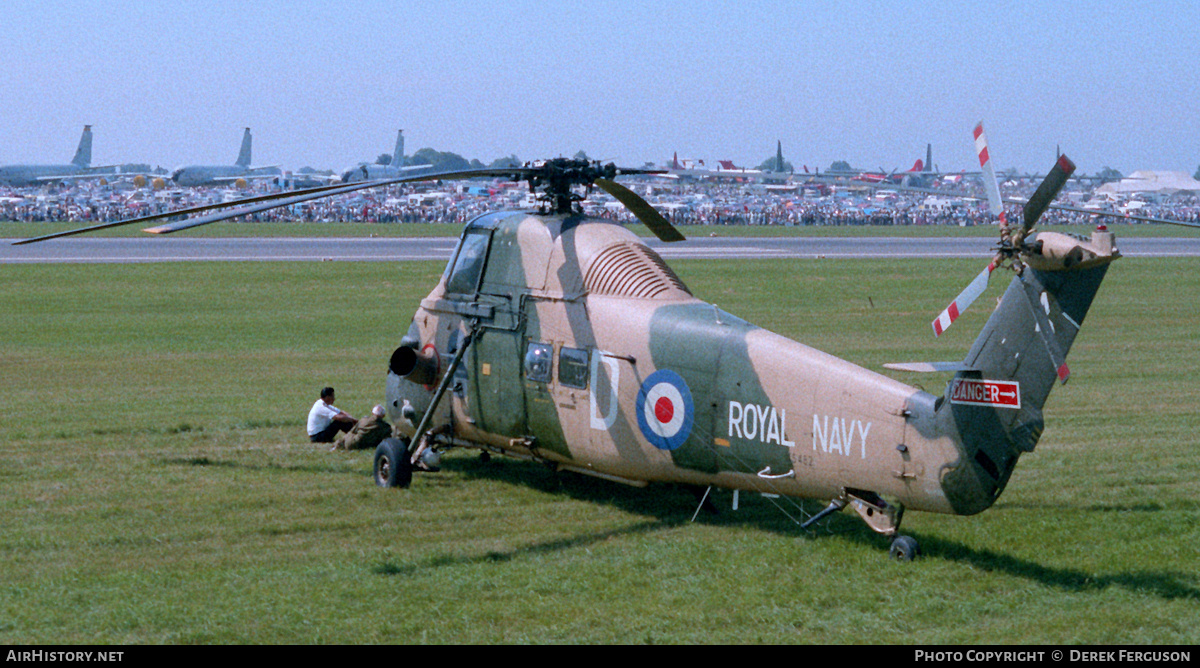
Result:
{"points": [[918, 166], [398, 154], [83, 154], [243, 159]]}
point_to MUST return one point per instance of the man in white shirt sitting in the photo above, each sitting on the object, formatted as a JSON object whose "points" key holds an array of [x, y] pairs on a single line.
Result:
{"points": [[325, 421]]}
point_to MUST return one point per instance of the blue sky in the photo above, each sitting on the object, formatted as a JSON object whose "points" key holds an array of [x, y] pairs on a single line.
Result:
{"points": [[328, 84]]}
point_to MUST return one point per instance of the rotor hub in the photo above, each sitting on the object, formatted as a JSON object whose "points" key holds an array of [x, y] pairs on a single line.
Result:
{"points": [[555, 180]]}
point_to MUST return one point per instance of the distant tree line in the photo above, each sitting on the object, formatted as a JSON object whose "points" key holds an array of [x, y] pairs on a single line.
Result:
{"points": [[1108, 175], [772, 164], [445, 161]]}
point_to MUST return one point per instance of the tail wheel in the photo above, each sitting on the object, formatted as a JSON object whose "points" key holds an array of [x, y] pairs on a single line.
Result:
{"points": [[904, 548], [393, 468]]}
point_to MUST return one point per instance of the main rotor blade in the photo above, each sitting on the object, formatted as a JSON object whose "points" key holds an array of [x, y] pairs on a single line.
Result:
{"points": [[274, 201], [245, 210], [288, 199], [172, 214], [1059, 207], [962, 301], [1047, 191], [649, 216], [1127, 216]]}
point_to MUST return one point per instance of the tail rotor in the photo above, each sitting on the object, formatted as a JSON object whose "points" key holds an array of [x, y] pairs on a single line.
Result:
{"points": [[1012, 246]]}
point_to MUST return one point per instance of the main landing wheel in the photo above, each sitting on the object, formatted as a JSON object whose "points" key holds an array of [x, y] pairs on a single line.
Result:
{"points": [[393, 468], [904, 548]]}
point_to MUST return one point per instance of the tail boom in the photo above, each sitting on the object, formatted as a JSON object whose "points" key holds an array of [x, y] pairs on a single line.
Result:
{"points": [[993, 429]]}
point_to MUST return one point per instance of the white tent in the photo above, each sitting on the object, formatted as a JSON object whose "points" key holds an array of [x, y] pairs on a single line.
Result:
{"points": [[1147, 181]]}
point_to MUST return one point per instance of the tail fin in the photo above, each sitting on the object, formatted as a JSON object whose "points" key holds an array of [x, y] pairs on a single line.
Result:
{"points": [[398, 154], [995, 408], [83, 154], [243, 159], [918, 166], [929, 157]]}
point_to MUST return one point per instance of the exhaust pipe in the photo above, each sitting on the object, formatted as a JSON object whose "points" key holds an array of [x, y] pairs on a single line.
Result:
{"points": [[415, 367]]}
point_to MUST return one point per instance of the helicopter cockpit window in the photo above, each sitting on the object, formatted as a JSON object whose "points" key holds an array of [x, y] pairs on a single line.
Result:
{"points": [[538, 360], [463, 275], [573, 367]]}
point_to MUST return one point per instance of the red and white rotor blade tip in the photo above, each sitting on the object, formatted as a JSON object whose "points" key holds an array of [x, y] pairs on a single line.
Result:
{"points": [[962, 301], [995, 205]]}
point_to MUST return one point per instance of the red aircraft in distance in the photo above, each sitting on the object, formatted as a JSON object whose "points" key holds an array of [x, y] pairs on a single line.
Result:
{"points": [[918, 169]]}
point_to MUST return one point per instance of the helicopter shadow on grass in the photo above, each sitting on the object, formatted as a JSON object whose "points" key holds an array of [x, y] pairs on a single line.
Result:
{"points": [[1164, 584], [272, 467], [1148, 507], [390, 568], [671, 506], [665, 507]]}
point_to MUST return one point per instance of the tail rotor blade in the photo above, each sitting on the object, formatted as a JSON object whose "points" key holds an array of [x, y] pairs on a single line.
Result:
{"points": [[962, 301], [989, 173], [1047, 191]]}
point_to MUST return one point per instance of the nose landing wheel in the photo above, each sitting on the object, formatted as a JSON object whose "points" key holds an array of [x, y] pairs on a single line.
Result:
{"points": [[393, 468]]}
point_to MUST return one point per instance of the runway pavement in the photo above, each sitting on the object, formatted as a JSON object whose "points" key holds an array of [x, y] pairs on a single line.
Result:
{"points": [[394, 249]]}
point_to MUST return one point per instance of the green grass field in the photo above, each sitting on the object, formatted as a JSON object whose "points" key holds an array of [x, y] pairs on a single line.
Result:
{"points": [[159, 488]]}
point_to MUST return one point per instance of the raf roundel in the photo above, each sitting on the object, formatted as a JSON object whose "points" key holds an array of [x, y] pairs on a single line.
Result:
{"points": [[664, 410]]}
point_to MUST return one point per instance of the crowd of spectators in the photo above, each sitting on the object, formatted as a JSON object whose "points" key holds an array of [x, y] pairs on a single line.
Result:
{"points": [[687, 204]]}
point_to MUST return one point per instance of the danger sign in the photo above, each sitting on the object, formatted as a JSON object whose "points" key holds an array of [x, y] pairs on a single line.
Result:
{"points": [[998, 393]]}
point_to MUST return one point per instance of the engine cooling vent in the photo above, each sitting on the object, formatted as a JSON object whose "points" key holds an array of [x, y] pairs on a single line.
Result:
{"points": [[631, 270]]}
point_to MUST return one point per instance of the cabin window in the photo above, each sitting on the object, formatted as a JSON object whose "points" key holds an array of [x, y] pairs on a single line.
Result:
{"points": [[462, 277], [539, 357], [573, 367]]}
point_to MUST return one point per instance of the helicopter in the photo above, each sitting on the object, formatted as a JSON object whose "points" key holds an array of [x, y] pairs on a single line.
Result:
{"points": [[559, 338]]}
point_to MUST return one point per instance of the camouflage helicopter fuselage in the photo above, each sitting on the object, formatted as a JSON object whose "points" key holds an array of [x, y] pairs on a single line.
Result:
{"points": [[578, 346]]}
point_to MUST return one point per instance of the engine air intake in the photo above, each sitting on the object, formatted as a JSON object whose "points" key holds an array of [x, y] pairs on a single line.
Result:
{"points": [[632, 270]]}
